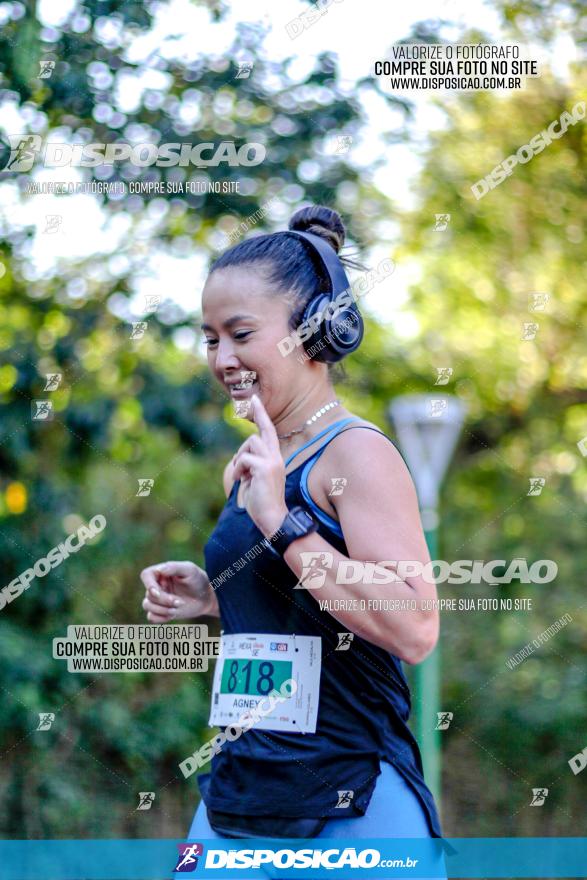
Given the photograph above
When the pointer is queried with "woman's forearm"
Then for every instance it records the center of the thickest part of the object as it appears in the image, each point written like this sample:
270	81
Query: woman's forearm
212	609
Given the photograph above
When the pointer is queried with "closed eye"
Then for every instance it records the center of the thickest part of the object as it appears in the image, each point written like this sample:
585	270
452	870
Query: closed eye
239	336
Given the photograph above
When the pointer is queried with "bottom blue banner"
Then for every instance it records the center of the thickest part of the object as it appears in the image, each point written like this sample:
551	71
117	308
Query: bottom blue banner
430	859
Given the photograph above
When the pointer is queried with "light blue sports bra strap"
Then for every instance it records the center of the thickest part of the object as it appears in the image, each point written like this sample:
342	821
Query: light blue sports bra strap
320	514
340	424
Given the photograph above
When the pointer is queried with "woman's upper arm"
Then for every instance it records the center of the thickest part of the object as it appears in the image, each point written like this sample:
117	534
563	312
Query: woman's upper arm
378	508
227	477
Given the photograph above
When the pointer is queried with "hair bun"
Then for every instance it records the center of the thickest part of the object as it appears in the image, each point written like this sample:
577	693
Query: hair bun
320	221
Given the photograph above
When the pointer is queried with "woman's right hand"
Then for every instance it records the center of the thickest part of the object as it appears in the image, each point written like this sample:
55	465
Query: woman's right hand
177	591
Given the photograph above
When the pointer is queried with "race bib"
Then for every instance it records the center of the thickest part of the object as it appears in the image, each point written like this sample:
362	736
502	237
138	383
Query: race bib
270	682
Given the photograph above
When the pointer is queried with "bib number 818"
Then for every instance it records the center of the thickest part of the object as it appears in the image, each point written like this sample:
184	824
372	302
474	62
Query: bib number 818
264	683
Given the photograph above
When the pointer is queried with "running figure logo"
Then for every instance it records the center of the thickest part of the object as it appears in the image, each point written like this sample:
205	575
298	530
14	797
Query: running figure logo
152	301
314	570
23	151
344	143
444	374
444	719
442	221
244	69
536	485
187	860
53	223
146	799
537	301
46	719
241	408
436	407
344	799
47	68
530	330
138	329
338	484
42	410
52	381
539	795
344	641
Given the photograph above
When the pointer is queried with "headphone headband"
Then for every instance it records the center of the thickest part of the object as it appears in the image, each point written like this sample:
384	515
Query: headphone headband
329	257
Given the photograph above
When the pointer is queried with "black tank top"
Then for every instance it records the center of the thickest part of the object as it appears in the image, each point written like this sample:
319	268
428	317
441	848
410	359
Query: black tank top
364	697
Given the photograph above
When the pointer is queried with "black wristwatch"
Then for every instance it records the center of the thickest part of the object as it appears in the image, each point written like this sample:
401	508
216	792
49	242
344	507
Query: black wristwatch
296	524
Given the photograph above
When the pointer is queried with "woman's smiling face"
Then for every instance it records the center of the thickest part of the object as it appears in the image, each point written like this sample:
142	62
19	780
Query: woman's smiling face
243	319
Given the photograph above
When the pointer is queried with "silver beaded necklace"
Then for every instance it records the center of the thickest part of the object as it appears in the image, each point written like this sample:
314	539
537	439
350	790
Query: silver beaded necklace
311	420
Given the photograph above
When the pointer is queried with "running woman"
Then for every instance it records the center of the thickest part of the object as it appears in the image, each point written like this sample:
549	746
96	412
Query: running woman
357	770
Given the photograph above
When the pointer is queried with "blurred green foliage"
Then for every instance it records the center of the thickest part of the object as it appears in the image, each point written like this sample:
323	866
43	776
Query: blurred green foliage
131	409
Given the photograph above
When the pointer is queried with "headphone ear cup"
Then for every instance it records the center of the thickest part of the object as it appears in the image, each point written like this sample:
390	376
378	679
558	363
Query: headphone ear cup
344	332
331	338
315	343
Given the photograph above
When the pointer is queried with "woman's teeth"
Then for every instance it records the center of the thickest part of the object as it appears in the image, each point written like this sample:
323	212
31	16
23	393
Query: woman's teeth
242	387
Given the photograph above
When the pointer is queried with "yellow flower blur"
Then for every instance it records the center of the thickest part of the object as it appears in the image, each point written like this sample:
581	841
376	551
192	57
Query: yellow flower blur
16	497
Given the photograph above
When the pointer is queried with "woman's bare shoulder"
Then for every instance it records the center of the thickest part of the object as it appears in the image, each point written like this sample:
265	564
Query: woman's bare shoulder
347	454
360	423
360	436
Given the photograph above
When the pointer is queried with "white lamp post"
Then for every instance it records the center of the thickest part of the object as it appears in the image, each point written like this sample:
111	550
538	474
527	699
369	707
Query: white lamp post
427	428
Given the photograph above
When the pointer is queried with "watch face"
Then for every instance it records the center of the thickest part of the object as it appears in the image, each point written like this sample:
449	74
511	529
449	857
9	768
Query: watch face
303	518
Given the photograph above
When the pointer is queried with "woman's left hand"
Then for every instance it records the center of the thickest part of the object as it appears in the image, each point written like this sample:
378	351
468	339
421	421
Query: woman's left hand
260	468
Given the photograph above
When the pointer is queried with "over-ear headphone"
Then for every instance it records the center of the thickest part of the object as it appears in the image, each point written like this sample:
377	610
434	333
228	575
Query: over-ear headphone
339	334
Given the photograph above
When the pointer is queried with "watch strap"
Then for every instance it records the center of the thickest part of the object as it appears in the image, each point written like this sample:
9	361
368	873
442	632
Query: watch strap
297	523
